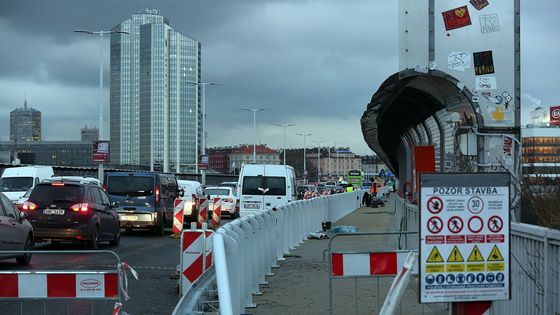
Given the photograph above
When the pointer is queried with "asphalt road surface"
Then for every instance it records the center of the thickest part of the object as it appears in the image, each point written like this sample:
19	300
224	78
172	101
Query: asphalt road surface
154	258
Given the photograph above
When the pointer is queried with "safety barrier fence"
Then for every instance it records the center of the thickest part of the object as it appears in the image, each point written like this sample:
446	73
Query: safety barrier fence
534	269
246	249
66	284
365	264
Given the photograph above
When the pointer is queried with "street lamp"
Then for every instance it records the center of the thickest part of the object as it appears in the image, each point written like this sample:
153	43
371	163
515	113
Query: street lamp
318	159
304	153
101	33
203	144
284	126
254	110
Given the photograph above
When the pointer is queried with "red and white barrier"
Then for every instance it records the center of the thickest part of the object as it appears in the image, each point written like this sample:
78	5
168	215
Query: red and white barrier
196	256
368	264
202	212
216	212
60	285
178	215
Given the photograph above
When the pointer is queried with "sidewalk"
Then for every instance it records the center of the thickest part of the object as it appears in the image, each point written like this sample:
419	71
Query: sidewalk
301	284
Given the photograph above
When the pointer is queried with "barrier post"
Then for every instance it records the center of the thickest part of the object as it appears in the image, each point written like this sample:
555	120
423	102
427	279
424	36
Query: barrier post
203	212
216	212
178	216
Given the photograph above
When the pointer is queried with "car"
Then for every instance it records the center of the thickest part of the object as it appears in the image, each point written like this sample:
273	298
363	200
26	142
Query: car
15	181
191	193
146	199
75	210
230	184
230	202
16	232
304	190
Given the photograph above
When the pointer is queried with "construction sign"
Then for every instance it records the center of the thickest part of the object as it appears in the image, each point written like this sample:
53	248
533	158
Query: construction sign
464	237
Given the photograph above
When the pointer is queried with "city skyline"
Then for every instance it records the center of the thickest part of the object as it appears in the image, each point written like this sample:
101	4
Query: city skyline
315	64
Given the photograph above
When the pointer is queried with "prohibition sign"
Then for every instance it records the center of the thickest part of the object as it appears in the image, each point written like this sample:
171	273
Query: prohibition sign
495	224
434	225
475	205
475	224
435	205
455	224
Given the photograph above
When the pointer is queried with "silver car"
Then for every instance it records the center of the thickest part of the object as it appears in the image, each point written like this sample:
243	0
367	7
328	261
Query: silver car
16	232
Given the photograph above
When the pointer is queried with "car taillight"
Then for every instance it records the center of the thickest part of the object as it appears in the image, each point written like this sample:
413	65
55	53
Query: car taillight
57	184
28	206
104	187
80	207
227	200
157	194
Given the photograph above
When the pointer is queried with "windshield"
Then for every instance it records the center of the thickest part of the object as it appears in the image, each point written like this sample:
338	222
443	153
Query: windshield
16	183
130	185
215	191
264	185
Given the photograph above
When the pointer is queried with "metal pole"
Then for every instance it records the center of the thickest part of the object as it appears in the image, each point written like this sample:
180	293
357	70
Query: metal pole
203	140
329	166
304	156
318	162
101	86
255	136
285	145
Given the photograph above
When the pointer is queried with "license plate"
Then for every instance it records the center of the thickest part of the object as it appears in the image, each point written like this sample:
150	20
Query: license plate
252	206
54	211
129	218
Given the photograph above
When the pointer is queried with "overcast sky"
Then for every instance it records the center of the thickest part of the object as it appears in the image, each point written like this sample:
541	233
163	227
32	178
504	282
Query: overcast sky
315	64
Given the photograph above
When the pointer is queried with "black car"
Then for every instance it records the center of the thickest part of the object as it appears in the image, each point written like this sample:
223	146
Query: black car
72	210
146	199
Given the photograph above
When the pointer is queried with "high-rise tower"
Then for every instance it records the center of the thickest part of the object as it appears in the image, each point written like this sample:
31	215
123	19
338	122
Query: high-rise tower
154	106
25	124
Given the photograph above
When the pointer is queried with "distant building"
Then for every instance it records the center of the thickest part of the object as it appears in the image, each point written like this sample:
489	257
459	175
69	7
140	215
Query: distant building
542	117
541	153
55	153
155	96
372	165
341	161
218	159
244	155
89	134
25	124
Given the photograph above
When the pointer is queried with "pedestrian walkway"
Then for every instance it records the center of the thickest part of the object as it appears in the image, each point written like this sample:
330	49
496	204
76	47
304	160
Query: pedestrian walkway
301	284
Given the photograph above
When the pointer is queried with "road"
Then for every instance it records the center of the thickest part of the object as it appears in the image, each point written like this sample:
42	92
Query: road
154	258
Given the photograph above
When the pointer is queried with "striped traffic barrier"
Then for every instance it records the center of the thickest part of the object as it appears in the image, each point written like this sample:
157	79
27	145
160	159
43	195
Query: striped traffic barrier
216	212
368	264
202	212
196	256
178	215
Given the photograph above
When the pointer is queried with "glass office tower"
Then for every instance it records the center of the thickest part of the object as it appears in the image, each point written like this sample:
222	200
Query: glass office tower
25	124
155	111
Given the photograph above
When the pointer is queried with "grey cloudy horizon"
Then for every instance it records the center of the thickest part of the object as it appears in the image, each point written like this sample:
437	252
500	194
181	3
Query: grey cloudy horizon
313	63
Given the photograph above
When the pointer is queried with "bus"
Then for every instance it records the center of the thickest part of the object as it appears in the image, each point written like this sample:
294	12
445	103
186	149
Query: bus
355	178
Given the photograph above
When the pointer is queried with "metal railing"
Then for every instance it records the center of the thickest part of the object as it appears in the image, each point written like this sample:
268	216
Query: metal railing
248	248
534	268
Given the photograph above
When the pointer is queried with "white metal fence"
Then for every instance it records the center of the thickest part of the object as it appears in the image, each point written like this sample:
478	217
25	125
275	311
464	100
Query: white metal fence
535	264
247	249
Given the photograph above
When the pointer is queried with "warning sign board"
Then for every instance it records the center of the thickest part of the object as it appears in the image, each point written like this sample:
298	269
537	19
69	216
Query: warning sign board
435	256
464	240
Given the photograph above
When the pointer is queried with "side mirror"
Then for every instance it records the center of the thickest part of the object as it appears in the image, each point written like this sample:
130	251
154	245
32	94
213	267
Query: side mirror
181	192
22	216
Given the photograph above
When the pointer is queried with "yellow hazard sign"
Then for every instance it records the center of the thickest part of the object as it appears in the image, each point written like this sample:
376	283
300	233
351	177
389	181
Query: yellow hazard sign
433	268
435	256
475	267
495	255
475	255
455	255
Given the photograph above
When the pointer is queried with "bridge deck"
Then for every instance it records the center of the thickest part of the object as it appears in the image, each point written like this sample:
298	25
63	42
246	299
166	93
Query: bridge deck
301	284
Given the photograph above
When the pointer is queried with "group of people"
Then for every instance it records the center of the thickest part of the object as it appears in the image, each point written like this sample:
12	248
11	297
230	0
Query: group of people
371	200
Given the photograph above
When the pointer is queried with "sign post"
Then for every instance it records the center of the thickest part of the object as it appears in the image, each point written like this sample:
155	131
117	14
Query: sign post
464	237
101	155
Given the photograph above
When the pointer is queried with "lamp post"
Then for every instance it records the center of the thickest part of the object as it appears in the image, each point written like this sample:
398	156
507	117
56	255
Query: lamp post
100	171
318	159
304	152
284	126
203	140
254	110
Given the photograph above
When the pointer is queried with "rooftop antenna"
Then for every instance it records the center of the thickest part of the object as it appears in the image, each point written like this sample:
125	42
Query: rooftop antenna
25	100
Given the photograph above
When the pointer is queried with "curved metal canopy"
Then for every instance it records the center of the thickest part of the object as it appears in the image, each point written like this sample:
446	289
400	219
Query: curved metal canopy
405	100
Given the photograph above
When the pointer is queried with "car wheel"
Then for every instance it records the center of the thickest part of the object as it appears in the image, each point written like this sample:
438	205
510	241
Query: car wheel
160	229
94	242
117	240
25	259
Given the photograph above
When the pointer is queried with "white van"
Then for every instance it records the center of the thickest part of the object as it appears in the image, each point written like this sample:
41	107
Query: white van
265	186
15	181
190	188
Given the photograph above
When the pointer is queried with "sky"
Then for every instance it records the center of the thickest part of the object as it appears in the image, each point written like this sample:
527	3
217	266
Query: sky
312	63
